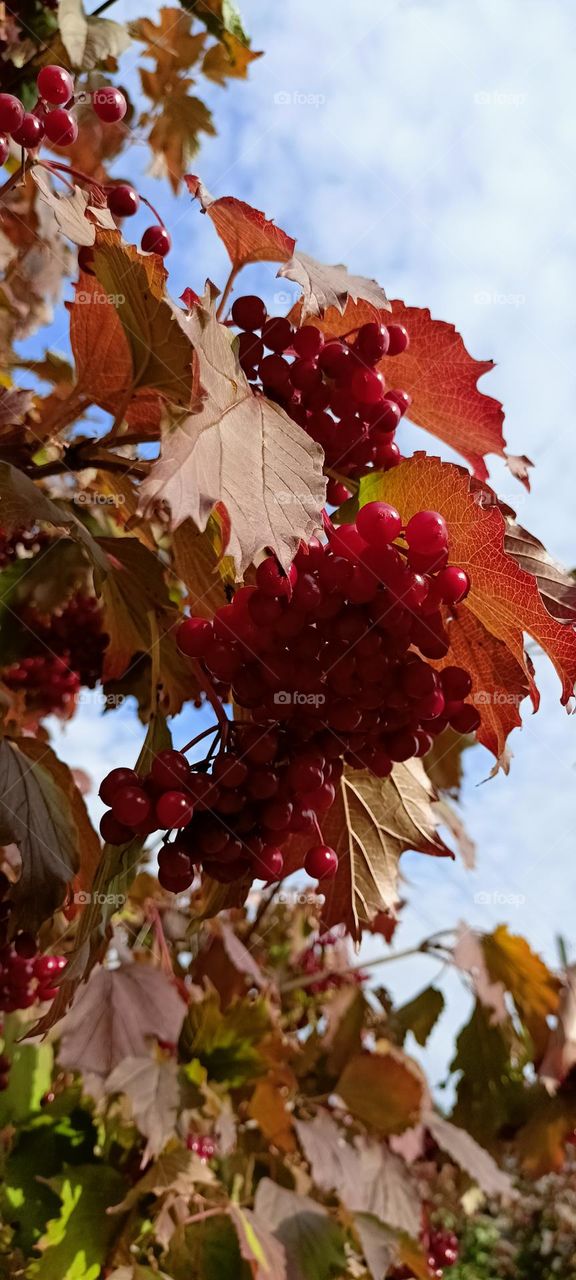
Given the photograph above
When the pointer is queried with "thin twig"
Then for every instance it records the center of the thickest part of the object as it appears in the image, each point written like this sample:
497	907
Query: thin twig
227	291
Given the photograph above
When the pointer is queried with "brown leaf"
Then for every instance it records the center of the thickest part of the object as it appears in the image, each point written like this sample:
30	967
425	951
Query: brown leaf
384	1090
175	134
228	58
176	1170
89	40
534	989
304	1228
240	450
196	563
556	585
14	405
268	1108
151	1086
370	824
469	1155
116	1014
247	234
326	286
100	347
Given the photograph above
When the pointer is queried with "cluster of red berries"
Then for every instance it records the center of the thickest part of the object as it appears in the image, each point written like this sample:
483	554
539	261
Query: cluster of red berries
330	660
442	1250
21	543
202	1145
333	388
52	118
65	651
123	202
25	976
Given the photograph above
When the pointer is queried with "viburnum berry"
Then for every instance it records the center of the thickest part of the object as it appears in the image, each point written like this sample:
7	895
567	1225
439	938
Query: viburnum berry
117	778
123	201
11	113
368	386
30	132
60	127
195	636
398	339
379	522
308	341
277	333
174	809
170	769
453	584
336	493
427	533
130	805
321	862
372	342
202	1145
112	831
456	682
466	719
109	104
156	240
268	863
272	580
248	312
55	85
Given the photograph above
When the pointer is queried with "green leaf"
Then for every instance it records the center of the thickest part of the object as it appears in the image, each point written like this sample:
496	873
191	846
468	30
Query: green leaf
226	1044
421	1014
30	1073
489	1084
207	1249
62	1134
218	17
76	1242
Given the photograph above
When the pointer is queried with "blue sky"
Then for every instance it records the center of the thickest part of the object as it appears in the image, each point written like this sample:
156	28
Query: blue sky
431	145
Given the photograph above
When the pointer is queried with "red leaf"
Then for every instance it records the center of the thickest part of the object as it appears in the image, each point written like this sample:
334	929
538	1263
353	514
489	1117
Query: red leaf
247	234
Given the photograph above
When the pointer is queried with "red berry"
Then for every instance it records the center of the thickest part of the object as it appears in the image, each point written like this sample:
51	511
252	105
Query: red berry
272	580
175	884
114	780
305	375
156	240
372	342
174	809
55	85
250	352
401	398
249	312
170	769
337	493
308	341
334	358
11	113
4	148
30	133
123	200
276	815
321	862
174	862
305	775
274	372
110	105
112	831
367	386
131	805
466	720
385	416
268	863
277	333
453	584
195	637
378	522
427	533
229	770
60	127
456	683
25	945
398	339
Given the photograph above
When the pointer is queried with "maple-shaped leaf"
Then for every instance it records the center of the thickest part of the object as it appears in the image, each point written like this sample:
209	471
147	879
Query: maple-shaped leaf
489	1089
503	596
325	286
534	989
247	234
116	1015
22	502
438	373
196	563
384	1090
556	585
43	813
242	451
560	1055
89	40
175	134
264	1254
76	1243
443	763
541	1142
371	823
229	58
99	345
469	1155
175	1170
421	1014
152	1088
70	212
312	1240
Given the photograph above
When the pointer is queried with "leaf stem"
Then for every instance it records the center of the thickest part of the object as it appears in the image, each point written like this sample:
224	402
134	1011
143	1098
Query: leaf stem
227	291
308	979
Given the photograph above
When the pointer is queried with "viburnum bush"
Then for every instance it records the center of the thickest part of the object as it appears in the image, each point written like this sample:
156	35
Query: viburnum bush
214	509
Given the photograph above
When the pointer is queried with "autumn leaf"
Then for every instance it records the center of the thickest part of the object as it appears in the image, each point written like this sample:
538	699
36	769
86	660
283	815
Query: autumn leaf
541	1142
115	1016
326	286
489	1088
175	134
22	502
264	1254
371	823
534	989
99	345
89	40
175	1170
240	450
560	1055
196	563
43	813
468	955
230	57
556	585
499	684
421	1014
312	1240
247	234
268	1108
443	763
152	1088
469	1155
70	212
384	1090
503	596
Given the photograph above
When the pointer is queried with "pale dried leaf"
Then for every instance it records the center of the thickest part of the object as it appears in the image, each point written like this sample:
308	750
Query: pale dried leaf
469	1155
330	286
469	956
115	1016
70	212
556	584
152	1087
560	1054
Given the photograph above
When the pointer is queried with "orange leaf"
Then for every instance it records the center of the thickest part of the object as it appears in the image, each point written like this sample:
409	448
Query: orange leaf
440	375
503	597
247	234
100	347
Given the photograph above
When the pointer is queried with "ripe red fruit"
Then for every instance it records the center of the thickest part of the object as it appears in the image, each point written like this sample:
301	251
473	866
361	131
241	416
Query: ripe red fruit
156	240
131	805
398	339
305	775
174	809
4	148
272	580
30	133
321	862
456	683
427	533
337	493
55	85
112	831
249	312
372	342
277	333
109	104
453	584
195	637
308	342
334	358
25	945
60	127
268	863
123	200
229	770
402	398
466	720
274	372
11	113
276	815
367	386
250	352
378	522
170	769
114	780
174	862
